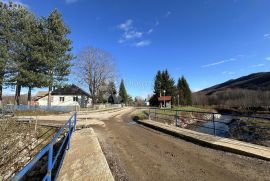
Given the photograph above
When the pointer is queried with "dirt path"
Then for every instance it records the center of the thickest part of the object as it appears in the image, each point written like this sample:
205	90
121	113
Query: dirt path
135	152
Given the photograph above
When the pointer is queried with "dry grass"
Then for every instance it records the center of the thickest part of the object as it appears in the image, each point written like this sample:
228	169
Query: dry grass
36	112
19	142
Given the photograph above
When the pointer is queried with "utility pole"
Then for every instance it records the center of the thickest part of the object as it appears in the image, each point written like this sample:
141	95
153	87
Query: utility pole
164	98
178	100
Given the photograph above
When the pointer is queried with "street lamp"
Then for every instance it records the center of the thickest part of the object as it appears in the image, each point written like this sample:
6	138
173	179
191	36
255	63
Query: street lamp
164	97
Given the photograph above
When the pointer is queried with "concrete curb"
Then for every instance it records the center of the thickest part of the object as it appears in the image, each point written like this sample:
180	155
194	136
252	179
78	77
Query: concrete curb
225	144
85	159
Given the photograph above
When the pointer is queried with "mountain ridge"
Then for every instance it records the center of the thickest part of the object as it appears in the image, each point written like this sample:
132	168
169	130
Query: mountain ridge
254	81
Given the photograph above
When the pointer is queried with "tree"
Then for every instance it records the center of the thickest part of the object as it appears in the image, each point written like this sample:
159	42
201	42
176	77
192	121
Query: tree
122	92
184	91
5	39
129	100
94	67
163	81
19	18
58	50
111	88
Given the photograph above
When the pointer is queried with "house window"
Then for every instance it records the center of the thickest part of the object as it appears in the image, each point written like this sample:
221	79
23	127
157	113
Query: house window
75	99
61	99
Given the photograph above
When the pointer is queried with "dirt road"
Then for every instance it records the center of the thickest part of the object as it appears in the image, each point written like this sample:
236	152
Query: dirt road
135	152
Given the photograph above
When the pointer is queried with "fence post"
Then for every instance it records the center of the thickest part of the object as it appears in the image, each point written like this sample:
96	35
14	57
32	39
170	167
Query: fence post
149	114
214	126
50	162
176	119
75	120
69	133
155	114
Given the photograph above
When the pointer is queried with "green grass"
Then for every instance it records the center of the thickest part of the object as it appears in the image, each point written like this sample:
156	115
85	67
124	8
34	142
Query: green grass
182	108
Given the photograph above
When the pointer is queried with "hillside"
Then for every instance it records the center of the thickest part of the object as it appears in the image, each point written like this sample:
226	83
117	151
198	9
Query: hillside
255	81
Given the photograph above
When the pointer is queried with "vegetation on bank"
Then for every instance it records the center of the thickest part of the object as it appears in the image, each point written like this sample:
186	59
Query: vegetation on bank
36	113
19	143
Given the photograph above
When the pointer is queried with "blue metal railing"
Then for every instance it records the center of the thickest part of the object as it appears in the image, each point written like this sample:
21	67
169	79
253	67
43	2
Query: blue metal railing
70	126
254	129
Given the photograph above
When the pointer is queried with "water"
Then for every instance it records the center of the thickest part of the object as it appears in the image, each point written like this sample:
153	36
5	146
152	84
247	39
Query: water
222	128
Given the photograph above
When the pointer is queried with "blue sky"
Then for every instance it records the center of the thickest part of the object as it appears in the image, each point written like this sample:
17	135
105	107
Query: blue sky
207	41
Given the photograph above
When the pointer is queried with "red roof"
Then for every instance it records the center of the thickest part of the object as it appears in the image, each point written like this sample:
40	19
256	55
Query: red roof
166	98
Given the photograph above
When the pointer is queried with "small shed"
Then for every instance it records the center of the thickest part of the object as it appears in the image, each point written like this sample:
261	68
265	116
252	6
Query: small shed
165	101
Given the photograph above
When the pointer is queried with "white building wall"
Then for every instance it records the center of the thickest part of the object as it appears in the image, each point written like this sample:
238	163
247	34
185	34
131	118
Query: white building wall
55	101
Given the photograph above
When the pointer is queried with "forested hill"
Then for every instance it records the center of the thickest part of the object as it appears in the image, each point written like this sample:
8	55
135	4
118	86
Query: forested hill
255	81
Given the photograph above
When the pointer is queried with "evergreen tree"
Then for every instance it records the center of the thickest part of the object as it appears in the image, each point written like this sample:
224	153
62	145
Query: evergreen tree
157	89
20	18
163	81
5	40
58	48
122	92
184	91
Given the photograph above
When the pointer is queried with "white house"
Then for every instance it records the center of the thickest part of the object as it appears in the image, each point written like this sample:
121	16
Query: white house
70	95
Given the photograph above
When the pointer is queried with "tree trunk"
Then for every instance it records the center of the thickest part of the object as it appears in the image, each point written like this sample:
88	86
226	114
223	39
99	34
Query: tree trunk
29	96
49	96
17	94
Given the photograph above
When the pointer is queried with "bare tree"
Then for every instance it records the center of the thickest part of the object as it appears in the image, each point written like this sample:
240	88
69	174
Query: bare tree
94	68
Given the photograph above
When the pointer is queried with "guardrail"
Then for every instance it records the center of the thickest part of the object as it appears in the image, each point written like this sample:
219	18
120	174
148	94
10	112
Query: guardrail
53	158
241	127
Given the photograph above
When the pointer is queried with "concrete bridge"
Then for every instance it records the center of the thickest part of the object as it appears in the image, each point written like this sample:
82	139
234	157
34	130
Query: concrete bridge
108	145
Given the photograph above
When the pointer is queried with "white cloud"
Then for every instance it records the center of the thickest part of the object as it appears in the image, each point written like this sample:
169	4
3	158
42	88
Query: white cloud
219	62
267	58
126	26
168	14
150	30
129	31
267	35
71	1
258	65
228	73
142	43
132	34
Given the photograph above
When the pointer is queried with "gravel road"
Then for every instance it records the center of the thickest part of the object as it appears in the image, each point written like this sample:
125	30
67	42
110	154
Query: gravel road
135	152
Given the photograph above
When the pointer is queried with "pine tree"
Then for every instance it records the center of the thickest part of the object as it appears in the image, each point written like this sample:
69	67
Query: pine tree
58	48
5	39
184	91
19	20
163	81
122	92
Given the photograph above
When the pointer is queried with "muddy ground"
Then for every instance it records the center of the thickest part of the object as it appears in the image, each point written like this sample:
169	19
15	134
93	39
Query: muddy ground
135	152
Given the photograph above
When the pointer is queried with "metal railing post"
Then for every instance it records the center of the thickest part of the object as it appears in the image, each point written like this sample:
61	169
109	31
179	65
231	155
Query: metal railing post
214	126
75	120
69	133
149	114
176	119
155	113
50	162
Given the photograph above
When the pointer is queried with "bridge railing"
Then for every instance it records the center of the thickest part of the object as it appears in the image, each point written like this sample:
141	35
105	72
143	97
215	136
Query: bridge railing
54	162
254	129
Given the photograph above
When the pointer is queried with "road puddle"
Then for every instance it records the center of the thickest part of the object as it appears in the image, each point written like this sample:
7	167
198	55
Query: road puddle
132	122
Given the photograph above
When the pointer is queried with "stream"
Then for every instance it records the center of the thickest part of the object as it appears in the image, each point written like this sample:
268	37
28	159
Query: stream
221	125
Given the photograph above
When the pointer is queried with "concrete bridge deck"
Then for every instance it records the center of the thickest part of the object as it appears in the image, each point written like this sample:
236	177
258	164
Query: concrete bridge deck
85	159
